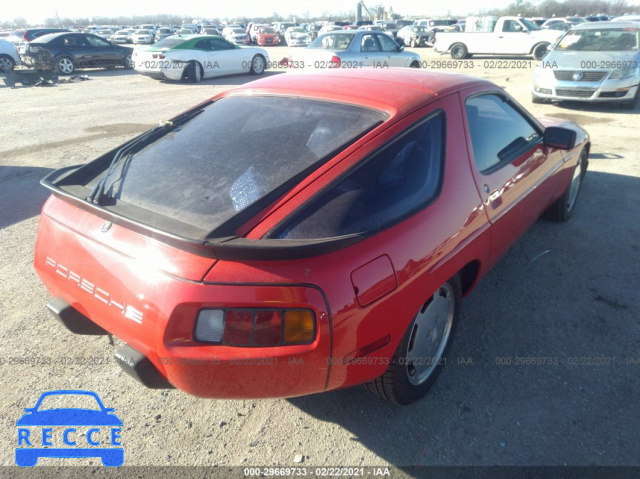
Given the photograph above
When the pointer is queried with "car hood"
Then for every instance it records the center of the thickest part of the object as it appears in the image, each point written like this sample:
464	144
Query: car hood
575	60
69	417
547	35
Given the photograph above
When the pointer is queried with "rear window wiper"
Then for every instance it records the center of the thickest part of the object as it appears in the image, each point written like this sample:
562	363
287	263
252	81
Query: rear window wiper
97	193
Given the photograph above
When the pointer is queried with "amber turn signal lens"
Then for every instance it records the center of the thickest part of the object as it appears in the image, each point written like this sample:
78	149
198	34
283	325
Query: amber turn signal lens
298	326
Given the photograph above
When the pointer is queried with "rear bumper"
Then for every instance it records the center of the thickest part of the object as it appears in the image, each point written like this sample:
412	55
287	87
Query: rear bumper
38	61
148	306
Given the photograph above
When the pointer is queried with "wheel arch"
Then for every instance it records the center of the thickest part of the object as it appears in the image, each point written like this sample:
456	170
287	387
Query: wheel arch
469	276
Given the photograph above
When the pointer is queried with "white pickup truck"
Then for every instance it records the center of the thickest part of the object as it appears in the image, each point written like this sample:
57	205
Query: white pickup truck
497	36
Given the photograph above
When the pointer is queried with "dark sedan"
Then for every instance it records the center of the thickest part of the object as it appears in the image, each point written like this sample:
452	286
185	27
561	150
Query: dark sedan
66	52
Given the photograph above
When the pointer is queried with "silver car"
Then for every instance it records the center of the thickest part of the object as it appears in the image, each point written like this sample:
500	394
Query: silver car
594	62
8	56
235	35
297	37
354	49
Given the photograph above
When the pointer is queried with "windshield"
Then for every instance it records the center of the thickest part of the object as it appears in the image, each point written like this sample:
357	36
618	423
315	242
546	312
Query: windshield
333	41
164	30
142	32
529	24
238	30
607	40
266	30
439	23
235	152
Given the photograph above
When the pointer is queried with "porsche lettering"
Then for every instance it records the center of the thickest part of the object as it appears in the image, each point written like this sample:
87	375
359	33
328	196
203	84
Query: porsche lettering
97	292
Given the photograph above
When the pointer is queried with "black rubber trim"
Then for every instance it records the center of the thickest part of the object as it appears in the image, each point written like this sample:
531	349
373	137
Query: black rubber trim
72	319
140	368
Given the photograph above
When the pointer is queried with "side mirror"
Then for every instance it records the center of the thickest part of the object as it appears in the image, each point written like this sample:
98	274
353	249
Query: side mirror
400	48
558	137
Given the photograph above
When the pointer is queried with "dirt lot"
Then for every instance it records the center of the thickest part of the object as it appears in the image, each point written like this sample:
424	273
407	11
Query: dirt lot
565	291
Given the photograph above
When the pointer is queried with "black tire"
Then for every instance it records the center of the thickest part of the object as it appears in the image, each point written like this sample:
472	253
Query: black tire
415	64
194	72
258	65
631	105
459	51
127	62
540	51
562	209
65	65
7	63
430	39
536	100
402	383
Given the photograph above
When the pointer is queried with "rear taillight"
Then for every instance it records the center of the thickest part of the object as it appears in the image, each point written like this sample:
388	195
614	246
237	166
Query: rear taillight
255	327
335	62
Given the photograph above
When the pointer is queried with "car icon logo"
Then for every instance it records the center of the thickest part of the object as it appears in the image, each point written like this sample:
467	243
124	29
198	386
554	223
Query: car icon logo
577	76
69	432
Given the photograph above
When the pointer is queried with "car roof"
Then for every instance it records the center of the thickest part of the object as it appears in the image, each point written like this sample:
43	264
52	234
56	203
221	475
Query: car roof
603	25
51	36
397	91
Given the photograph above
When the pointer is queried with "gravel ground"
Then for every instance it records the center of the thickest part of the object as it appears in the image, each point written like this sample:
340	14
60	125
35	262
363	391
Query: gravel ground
565	291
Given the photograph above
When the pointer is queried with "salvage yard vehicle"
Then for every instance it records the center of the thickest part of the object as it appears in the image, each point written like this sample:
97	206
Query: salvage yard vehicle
505	36
236	35
297	37
9	57
66	52
415	36
197	57
122	36
143	36
266	36
162	33
304	232
353	49
593	62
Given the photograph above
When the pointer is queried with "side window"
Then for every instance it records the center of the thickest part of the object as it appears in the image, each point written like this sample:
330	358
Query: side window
499	133
97	41
202	45
368	43
511	26
388	45
219	44
393	183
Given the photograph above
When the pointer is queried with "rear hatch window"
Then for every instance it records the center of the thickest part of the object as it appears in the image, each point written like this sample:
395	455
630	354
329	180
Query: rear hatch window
228	161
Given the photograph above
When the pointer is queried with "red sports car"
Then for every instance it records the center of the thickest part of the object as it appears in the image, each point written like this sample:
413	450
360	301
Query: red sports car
325	248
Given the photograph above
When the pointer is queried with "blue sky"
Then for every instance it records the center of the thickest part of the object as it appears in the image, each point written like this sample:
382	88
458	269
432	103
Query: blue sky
36	11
